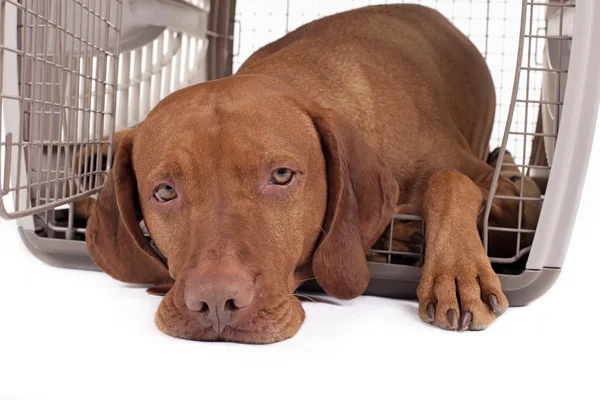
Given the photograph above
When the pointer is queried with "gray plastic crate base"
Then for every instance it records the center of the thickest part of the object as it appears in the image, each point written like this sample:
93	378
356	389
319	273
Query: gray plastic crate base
387	280
400	281
58	252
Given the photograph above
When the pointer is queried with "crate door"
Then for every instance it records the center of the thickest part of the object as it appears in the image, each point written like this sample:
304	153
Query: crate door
58	62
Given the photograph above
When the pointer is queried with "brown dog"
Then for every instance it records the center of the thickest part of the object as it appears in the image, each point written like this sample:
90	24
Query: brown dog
292	167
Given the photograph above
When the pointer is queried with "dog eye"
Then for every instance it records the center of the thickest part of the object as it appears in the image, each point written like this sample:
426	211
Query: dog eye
515	178
281	176
164	193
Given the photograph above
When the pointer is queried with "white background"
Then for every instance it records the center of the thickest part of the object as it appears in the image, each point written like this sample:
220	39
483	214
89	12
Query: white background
67	334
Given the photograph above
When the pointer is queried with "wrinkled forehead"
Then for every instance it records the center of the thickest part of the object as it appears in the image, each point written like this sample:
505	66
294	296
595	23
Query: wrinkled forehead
235	126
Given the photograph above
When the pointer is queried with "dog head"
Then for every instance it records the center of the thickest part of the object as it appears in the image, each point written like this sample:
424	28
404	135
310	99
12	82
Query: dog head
247	190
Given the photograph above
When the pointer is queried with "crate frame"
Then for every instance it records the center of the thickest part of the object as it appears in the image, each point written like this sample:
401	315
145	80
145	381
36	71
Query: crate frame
563	192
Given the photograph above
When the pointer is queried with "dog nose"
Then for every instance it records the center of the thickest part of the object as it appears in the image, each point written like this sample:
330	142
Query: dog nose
222	298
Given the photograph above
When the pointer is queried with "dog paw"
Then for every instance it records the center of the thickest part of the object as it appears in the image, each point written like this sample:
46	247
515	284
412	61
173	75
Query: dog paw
458	297
407	236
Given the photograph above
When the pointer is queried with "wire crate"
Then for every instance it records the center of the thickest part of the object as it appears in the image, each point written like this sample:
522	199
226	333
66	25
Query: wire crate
86	68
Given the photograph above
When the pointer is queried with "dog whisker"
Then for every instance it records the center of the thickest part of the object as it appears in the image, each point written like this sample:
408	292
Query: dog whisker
307	279
303	296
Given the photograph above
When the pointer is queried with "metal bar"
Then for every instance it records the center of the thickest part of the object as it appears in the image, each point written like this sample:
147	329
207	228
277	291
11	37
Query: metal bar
513	230
94	99
21	110
71	126
544	167
61	43
77	117
7	159
407	217
88	60
115	66
552	37
287	16
547	4
101	65
511	260
555	103
217	35
541	69
33	126
50	147
560	51
528	81
7	149
396	253
99	122
511	110
47	207
65	230
533	134
212	47
36	184
503	197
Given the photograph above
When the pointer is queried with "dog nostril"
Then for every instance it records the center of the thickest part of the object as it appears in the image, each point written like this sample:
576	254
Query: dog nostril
204	308
230	305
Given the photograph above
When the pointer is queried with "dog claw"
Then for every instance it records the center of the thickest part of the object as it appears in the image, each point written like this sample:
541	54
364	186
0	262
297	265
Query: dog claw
493	300
465	320
430	312
452	319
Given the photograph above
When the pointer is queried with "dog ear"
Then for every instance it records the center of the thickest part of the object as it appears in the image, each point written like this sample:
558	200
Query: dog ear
362	193
114	238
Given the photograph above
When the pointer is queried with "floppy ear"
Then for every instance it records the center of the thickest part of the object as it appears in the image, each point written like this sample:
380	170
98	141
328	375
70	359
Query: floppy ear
362	193
114	238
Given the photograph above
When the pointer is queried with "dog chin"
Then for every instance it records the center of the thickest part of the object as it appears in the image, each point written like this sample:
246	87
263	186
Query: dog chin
262	327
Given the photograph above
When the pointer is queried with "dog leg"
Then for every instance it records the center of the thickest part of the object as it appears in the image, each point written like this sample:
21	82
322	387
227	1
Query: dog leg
458	288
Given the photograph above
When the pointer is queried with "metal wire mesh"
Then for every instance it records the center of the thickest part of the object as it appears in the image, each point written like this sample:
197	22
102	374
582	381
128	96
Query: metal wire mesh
510	34
540	115
493	26
94	92
391	251
59	74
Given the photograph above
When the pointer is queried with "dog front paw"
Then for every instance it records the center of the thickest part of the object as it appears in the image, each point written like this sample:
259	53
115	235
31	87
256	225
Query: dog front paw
462	295
407	237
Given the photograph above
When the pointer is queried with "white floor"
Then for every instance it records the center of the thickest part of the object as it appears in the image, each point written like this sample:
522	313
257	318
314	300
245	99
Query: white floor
67	334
